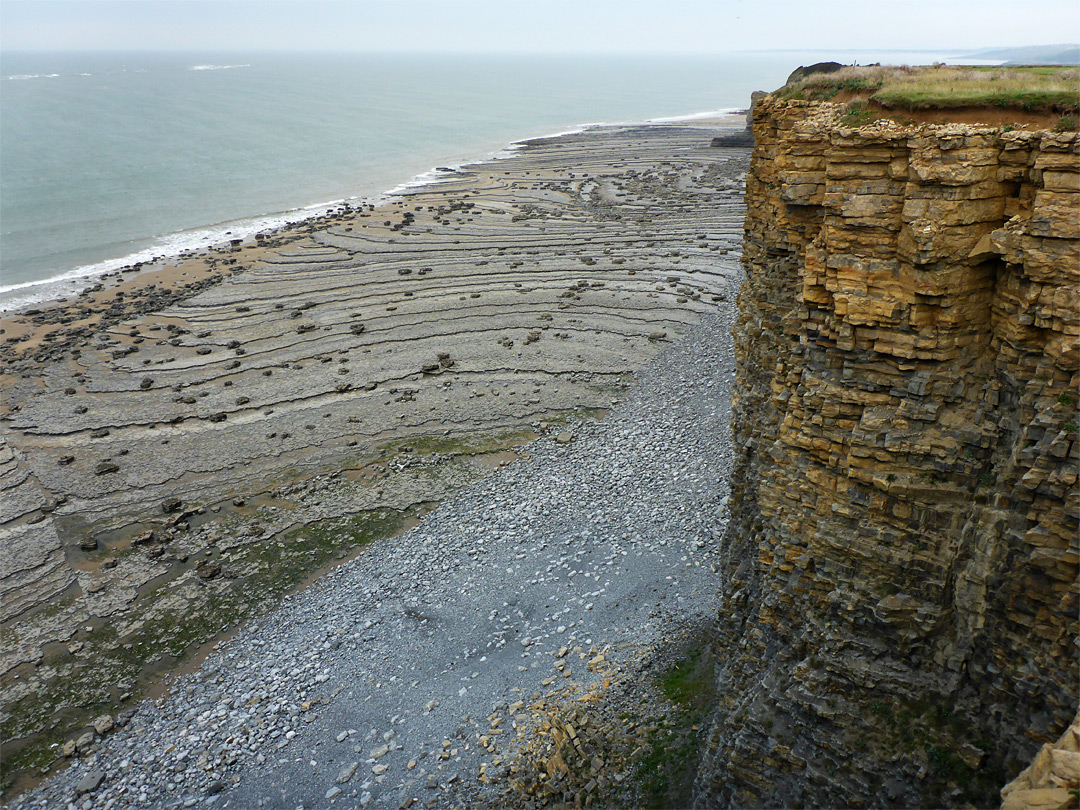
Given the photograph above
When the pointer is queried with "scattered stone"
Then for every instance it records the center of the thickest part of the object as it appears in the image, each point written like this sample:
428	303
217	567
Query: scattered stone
347	772
144	537
90	782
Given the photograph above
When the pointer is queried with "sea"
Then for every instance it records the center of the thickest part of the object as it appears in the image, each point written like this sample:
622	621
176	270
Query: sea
107	159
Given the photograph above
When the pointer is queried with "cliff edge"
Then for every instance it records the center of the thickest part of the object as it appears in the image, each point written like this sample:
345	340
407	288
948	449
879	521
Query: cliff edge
901	582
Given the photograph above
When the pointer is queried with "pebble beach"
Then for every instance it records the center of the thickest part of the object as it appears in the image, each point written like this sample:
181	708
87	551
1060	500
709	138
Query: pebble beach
520	374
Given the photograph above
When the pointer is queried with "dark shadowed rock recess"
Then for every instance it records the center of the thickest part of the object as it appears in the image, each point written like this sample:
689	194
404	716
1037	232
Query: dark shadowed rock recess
900	579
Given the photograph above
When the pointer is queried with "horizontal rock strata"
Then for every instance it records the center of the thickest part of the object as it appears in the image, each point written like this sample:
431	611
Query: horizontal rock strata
157	457
901	627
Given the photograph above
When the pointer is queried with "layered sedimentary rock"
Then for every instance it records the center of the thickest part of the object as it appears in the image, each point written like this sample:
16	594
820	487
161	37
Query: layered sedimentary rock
901	623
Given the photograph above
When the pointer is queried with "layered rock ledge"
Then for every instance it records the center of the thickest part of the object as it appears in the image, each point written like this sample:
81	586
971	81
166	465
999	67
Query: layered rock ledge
900	626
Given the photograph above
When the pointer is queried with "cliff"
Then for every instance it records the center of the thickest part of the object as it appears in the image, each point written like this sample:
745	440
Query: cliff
901	583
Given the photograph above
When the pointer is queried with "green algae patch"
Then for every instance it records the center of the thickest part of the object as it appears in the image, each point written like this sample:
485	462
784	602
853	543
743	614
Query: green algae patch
473	444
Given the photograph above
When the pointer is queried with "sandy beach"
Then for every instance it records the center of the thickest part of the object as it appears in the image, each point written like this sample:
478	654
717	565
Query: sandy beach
185	442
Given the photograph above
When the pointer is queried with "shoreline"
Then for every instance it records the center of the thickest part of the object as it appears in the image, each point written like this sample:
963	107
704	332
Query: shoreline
75	281
176	443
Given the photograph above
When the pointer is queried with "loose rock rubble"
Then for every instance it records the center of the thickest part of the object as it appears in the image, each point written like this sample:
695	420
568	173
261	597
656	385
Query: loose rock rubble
1052	780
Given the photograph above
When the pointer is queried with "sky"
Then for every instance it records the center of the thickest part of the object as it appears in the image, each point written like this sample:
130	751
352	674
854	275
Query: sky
533	26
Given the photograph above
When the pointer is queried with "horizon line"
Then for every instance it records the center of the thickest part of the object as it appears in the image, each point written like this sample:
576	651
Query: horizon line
508	52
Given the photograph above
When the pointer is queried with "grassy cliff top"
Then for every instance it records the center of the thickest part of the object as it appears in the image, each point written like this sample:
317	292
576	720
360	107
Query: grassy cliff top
1045	88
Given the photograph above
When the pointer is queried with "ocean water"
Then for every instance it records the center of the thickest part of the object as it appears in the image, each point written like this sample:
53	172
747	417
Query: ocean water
112	158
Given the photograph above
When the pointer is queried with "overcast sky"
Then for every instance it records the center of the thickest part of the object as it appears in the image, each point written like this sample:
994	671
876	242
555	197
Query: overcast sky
601	26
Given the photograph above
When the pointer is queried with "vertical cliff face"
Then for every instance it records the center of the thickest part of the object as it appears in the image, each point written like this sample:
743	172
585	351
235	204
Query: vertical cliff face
901	623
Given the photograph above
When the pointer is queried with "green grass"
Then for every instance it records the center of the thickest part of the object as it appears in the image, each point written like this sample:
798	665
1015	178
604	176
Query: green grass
944	87
666	771
858	115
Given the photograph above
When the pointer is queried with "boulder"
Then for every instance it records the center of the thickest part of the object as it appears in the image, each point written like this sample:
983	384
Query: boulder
90	782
